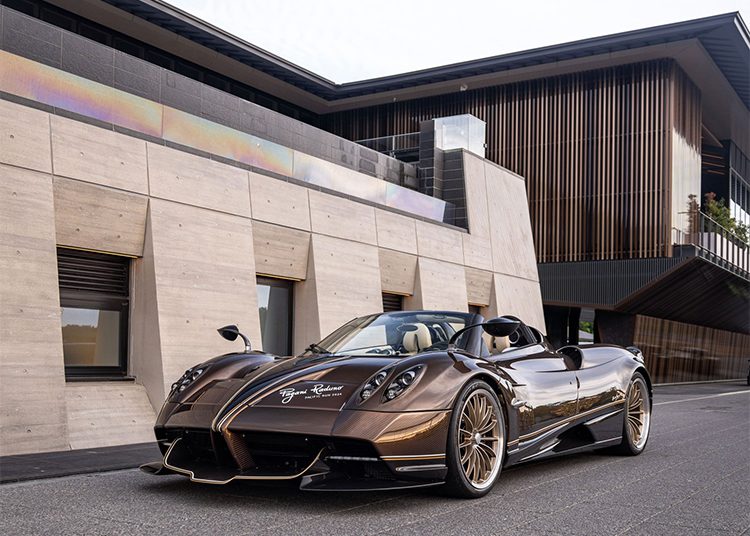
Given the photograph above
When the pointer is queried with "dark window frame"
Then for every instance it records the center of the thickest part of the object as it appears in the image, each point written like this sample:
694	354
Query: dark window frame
103	304
286	284
104	301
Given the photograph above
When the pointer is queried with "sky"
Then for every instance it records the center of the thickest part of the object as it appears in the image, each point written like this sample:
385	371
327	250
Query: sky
348	40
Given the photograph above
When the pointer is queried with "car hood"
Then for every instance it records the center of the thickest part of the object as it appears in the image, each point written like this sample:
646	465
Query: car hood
310	382
313	382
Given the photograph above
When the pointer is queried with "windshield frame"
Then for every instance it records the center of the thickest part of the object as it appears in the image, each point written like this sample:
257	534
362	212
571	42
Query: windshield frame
335	344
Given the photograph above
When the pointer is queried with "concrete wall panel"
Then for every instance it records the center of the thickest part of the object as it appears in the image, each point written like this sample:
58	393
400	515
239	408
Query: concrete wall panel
198	181
512	241
518	297
24	137
92	154
397	271
342	218
306	317
277	201
280	251
145	339
396	231
478	286
438	285
93	217
439	242
102	414
477	203
32	378
347	281
478	251
204	270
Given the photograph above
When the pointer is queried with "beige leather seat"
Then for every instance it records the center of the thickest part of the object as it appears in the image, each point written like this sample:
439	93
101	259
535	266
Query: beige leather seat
496	345
416	341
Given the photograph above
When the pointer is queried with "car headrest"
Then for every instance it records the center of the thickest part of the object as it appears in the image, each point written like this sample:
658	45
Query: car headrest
416	341
496	344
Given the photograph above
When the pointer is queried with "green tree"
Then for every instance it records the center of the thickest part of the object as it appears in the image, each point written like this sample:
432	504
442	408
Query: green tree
717	210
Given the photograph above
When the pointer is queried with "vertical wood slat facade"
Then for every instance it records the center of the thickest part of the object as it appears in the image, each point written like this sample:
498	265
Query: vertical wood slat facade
596	149
679	352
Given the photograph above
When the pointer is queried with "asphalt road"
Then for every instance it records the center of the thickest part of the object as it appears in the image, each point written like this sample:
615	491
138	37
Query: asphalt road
693	478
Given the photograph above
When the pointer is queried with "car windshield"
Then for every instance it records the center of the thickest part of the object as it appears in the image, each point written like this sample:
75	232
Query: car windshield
396	334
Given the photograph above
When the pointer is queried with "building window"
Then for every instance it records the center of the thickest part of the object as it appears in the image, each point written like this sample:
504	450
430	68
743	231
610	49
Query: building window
94	298
392	302
275	302
475	309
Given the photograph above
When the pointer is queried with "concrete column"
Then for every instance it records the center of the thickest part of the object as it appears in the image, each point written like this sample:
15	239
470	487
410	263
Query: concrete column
32	383
199	267
343	282
438	285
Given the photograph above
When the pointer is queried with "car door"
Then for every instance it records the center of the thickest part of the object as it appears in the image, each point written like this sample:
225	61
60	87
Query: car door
602	389
546	390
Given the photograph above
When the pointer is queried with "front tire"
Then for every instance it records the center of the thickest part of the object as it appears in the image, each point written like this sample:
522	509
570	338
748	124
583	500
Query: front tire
476	442
637	420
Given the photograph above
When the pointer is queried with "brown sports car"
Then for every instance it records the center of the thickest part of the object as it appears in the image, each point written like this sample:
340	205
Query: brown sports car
402	400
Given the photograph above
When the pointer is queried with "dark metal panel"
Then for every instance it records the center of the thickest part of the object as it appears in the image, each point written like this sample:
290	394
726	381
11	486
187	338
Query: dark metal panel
697	292
600	284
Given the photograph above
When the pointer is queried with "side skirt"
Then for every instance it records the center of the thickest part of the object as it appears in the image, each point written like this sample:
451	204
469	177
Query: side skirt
546	454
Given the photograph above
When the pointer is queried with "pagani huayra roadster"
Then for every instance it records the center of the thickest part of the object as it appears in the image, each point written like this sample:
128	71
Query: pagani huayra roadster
402	400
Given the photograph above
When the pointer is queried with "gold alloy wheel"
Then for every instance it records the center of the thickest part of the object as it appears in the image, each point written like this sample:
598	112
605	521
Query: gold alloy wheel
480	439
639	413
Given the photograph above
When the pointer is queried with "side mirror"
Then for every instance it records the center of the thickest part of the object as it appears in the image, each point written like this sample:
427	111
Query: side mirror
501	326
231	332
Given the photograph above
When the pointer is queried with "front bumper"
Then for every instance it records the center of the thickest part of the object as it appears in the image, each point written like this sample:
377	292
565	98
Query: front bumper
367	451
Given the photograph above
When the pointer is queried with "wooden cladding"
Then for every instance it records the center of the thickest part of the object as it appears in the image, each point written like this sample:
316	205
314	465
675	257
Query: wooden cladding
678	352
596	149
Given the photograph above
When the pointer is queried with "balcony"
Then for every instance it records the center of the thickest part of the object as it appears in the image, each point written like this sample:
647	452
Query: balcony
700	235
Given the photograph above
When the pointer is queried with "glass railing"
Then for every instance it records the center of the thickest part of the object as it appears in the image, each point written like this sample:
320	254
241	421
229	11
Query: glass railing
393	145
712	241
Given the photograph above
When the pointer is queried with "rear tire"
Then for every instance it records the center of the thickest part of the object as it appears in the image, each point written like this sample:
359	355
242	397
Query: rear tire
476	442
637	418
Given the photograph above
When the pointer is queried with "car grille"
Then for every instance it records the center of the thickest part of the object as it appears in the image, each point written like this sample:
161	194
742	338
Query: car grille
277	453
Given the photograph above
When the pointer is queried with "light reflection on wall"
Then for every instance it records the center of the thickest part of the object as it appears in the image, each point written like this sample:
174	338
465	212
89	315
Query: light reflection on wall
328	175
187	129
41	83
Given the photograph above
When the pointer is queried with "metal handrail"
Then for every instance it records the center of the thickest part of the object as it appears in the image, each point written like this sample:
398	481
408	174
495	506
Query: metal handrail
713	241
391	144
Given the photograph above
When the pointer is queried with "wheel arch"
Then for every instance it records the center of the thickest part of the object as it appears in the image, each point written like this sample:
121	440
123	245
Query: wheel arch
497	388
646	376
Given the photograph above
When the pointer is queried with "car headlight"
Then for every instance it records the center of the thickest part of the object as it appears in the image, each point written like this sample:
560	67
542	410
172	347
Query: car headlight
401	383
372	384
186	379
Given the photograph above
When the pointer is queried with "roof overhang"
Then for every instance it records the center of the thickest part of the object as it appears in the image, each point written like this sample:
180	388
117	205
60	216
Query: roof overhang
687	289
724	37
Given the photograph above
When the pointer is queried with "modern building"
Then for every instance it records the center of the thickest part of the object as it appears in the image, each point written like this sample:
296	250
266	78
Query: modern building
140	210
160	178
